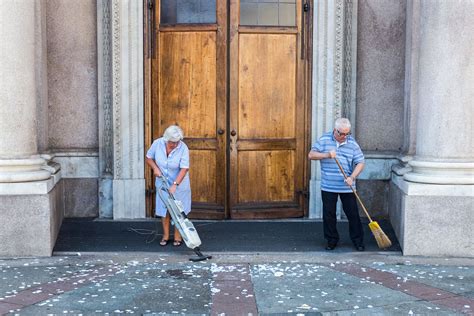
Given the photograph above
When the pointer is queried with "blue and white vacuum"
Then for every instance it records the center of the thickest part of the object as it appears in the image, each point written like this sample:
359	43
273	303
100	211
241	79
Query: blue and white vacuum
181	221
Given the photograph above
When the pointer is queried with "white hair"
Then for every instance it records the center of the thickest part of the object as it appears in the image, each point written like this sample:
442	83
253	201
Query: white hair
173	133
342	122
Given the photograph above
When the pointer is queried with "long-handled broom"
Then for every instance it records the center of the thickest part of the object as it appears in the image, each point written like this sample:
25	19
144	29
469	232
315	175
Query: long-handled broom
382	240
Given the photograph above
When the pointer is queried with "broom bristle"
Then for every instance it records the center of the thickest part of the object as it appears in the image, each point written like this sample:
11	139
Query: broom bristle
382	240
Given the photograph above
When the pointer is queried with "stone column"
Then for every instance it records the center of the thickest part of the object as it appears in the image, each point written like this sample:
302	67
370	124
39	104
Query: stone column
19	160
31	201
431	205
444	146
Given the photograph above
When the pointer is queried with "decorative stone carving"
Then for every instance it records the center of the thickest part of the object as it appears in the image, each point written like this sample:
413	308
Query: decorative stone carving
122	183
106	95
116	87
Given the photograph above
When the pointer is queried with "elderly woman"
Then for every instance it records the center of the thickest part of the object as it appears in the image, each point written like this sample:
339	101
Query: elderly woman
169	156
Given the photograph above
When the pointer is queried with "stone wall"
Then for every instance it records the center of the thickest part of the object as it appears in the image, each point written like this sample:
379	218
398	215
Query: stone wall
380	74
73	106
72	74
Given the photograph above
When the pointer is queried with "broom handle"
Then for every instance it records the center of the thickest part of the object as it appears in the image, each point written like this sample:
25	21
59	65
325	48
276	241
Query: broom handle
357	195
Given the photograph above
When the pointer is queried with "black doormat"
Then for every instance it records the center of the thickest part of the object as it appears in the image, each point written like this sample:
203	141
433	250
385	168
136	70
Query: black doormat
95	235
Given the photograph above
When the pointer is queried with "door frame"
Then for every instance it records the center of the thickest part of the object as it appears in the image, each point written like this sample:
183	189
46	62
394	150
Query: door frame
150	51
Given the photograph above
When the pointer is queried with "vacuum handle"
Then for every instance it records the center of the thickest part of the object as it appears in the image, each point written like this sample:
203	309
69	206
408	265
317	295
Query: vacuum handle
353	190
164	184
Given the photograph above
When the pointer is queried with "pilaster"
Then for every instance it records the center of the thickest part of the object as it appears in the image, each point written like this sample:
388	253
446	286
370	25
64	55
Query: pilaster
334	76
121	121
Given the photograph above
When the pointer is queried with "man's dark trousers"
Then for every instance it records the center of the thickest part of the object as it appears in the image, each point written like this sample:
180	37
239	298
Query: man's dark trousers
349	205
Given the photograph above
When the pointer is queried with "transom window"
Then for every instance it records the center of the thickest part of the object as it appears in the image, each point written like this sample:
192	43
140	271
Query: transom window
252	12
188	11
268	12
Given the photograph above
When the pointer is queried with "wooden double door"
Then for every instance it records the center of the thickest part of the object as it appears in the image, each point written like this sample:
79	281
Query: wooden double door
233	75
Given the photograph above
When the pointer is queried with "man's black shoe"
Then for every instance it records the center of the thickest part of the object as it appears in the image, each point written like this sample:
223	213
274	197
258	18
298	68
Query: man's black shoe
330	247
360	247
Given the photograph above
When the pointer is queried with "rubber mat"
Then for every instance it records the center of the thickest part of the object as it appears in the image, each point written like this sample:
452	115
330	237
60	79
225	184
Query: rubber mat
96	235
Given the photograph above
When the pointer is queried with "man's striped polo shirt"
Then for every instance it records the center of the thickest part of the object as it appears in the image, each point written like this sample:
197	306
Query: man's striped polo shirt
349	155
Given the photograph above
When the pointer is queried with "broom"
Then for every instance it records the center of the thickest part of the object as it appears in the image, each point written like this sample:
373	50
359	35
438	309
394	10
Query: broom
382	240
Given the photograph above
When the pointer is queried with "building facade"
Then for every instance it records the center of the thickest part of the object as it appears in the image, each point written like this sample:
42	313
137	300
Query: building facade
87	85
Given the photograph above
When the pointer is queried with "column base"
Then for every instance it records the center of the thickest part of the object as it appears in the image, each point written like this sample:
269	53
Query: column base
31	215
440	172
23	170
432	219
129	198
315	202
106	201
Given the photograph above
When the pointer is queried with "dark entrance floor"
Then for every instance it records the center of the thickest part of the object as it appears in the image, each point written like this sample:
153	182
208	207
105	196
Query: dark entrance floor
94	235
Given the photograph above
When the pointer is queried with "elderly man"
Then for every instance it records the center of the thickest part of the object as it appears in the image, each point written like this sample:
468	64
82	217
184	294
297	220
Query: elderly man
341	145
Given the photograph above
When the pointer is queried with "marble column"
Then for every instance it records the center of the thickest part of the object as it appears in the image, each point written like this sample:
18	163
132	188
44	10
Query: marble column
432	204
19	160
444	146
31	195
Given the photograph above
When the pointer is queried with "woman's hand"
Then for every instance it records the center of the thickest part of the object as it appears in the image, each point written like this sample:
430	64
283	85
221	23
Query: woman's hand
156	172
173	188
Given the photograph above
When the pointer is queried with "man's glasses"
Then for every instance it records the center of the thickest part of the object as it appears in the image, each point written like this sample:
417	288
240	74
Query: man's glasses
342	134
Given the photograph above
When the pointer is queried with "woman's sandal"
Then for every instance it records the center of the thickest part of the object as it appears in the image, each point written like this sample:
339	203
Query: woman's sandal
164	242
177	243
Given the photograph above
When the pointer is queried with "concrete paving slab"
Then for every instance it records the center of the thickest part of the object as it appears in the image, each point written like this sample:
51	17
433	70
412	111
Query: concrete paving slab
304	283
298	288
455	279
412	308
138	288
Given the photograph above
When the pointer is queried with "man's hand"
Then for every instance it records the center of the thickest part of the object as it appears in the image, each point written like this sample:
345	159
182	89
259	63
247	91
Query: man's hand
349	181
332	154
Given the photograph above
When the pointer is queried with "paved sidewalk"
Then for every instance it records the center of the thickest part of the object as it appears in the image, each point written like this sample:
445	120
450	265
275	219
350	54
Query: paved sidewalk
273	283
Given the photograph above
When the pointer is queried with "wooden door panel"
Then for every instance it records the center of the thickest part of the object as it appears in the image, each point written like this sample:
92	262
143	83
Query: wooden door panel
203	176
267	115
267	85
188	89
243	114
266	176
188	82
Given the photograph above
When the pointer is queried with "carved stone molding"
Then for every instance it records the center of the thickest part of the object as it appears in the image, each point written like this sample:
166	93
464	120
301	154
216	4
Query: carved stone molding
105	88
121	152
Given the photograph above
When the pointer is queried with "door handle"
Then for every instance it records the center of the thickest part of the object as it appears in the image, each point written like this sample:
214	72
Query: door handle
233	140
220	131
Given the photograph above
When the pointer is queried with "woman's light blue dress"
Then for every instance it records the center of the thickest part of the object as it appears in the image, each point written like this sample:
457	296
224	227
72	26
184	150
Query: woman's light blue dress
170	166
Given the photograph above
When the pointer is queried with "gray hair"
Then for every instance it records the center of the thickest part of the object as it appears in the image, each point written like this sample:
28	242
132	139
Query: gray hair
342	122
173	133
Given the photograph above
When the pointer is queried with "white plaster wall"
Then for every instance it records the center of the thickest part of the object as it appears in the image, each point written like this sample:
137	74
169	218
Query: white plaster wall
72	73
380	74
